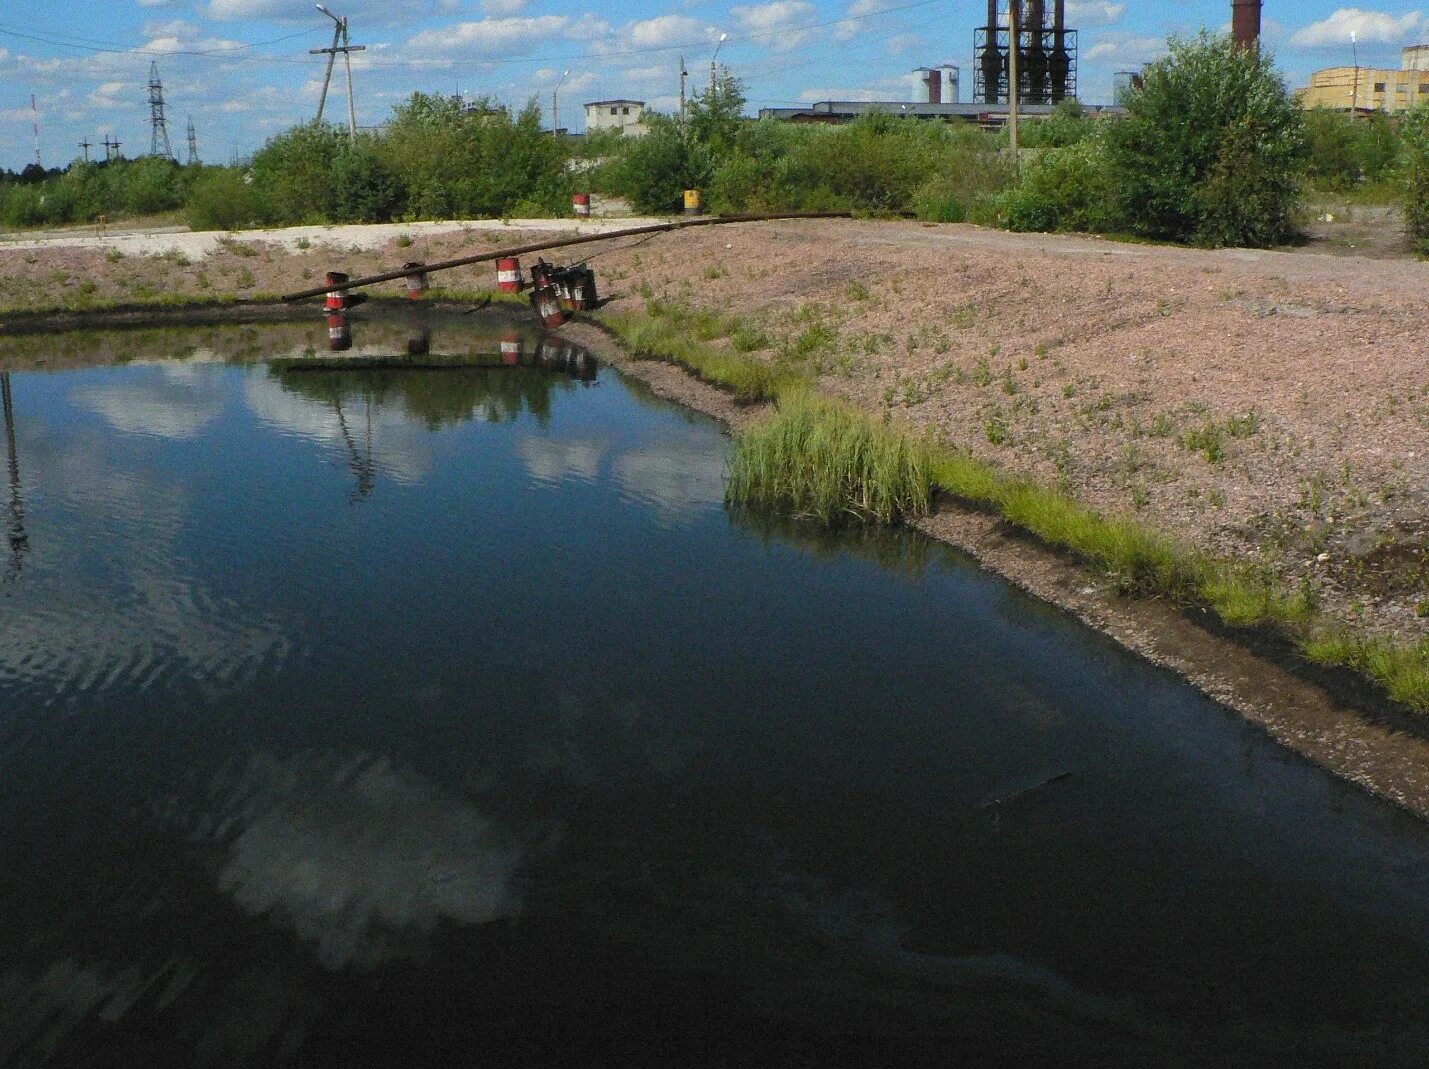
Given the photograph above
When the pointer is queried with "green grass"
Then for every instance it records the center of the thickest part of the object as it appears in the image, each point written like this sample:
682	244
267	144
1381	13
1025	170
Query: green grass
819	456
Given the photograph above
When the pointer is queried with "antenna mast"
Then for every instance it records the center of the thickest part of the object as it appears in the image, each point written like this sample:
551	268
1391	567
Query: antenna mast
159	136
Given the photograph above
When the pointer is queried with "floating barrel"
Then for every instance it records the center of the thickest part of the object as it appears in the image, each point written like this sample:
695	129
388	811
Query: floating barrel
511	348
580	204
339	332
692	202
337	300
508	274
548	306
416	284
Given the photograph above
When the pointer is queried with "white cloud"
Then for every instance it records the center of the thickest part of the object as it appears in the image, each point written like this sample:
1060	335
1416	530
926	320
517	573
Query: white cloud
1094	14
900	43
1126	49
490	35
1371	27
665	30
502	7
778	25
854	22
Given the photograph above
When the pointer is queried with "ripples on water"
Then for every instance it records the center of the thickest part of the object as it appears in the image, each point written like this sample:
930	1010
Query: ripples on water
394	717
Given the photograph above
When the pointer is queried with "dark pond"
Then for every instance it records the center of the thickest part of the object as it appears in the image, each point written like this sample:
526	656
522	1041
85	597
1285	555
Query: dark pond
392	717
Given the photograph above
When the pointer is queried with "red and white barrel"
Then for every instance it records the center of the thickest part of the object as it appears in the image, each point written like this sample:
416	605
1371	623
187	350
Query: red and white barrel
508	274
580	205
337	299
416	283
548	306
511	348
566	289
339	333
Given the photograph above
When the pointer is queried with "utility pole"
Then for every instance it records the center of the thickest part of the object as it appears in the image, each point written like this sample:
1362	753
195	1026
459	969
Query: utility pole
683	75
193	142
555	111
35	111
341	42
1014	45
713	77
1355	91
85	146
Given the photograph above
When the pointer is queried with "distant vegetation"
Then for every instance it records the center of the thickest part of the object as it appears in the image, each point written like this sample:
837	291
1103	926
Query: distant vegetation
1214	151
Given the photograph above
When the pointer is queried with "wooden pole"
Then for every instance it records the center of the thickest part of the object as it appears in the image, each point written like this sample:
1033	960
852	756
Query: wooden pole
1014	45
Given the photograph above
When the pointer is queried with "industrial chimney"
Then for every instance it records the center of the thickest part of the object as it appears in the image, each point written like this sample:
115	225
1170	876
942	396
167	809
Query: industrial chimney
991	59
1245	22
1059	65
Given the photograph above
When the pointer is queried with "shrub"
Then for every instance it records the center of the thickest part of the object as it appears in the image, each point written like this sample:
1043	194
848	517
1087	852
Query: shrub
221	200
1211	121
1414	176
656	169
1063	189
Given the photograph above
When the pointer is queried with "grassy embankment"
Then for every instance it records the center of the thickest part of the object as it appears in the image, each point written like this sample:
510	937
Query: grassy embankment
819	456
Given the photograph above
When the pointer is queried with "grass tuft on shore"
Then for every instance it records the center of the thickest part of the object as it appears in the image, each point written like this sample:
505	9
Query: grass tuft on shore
819	457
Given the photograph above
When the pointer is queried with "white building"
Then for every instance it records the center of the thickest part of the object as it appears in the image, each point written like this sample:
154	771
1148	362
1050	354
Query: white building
627	116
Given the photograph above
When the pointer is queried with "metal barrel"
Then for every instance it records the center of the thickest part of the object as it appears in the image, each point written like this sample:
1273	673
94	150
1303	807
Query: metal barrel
508	274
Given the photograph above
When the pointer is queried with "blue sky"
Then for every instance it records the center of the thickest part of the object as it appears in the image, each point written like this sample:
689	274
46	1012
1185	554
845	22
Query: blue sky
241	68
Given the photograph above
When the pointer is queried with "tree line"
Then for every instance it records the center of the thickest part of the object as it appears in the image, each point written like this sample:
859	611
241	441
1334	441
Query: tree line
1213	151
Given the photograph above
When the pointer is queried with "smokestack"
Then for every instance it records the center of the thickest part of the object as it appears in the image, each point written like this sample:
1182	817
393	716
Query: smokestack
1036	53
1245	22
991	59
1060	64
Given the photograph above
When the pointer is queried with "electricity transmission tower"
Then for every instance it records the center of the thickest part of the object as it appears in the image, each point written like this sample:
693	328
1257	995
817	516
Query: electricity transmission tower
159	137
340	43
85	144
193	141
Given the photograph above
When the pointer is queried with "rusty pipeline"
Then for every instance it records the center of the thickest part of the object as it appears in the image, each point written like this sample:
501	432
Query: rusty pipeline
485	257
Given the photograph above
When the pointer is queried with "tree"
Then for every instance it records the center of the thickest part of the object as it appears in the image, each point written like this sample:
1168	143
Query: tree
717	115
1414	176
1211	127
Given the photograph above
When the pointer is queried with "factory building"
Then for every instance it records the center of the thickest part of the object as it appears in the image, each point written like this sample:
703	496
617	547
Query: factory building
627	116
1367	89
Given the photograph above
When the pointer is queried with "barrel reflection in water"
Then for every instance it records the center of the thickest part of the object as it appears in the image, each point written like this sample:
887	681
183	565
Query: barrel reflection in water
380	707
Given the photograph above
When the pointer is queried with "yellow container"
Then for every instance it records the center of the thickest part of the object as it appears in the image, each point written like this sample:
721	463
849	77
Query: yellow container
692	202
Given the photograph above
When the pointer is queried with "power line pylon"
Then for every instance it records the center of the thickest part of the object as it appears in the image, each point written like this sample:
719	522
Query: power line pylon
159	136
85	145
35	113
193	142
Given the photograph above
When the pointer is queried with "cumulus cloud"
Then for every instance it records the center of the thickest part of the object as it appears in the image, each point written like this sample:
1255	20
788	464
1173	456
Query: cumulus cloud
1094	14
1371	27
1126	49
780	25
490	35
853	23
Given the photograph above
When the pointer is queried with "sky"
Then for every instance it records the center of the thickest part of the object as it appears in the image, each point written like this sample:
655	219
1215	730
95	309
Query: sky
241	68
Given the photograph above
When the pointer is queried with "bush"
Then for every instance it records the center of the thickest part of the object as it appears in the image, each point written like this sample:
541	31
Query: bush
221	200
1063	189
1343	151
1414	176
1211	121
655	170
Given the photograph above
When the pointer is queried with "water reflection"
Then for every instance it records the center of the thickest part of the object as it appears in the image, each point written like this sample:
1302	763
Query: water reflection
16	538
358	858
